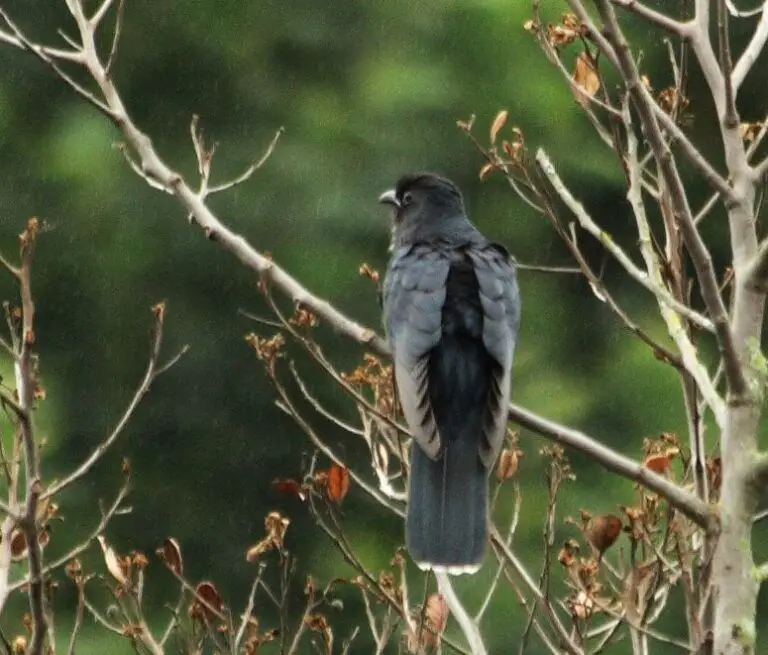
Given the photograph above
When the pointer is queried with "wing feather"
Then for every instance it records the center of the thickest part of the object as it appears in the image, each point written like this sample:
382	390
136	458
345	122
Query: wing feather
500	300
414	294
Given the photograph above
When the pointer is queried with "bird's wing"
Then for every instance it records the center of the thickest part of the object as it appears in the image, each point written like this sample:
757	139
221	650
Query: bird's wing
500	300
414	294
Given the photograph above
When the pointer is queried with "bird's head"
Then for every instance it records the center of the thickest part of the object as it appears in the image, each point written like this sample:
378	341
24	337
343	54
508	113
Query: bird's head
425	207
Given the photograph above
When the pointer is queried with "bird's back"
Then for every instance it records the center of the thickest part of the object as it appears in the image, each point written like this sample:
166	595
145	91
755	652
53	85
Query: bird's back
459	364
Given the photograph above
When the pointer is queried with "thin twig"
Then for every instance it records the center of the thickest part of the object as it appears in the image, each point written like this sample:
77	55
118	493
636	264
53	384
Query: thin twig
697	249
247	614
656	17
585	220
153	371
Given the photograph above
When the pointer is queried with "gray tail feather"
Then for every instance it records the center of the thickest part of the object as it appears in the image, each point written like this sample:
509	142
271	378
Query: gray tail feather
446	523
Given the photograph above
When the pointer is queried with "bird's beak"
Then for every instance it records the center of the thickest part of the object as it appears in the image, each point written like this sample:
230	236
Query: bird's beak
389	197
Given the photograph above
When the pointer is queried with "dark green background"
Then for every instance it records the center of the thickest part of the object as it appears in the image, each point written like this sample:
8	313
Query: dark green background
366	91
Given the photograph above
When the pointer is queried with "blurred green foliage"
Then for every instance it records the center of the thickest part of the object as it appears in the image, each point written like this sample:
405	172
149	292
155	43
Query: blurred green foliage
365	91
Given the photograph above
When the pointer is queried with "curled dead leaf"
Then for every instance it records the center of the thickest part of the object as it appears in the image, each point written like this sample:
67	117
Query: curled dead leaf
318	623
486	170
171	554
366	270
466	125
435	621
560	36
117	566
658	463
276	526
567	554
498	124
749	131
509	463
258	549
437	612
586	76
582	605
211	601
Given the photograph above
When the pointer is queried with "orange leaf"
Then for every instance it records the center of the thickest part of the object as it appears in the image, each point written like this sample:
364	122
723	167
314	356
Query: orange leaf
338	483
498	123
658	463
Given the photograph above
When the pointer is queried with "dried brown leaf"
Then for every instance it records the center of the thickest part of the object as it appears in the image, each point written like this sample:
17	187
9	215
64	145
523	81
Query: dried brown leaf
171	554
509	463
207	592
486	170
437	612
318	623
116	565
749	131
586	76
658	463
560	36
258	549
498	124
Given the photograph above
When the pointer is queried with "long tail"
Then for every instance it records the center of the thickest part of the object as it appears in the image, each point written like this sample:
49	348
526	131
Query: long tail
446	523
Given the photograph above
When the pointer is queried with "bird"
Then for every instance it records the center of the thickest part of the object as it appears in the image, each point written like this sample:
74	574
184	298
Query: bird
451	313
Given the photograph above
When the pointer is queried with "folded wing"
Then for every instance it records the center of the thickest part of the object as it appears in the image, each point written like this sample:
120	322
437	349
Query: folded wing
414	295
500	300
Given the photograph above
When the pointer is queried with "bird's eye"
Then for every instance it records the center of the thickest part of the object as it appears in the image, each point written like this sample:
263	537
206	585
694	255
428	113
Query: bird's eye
407	198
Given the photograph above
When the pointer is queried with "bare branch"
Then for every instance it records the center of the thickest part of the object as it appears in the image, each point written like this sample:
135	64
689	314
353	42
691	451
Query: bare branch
676	329
738	13
55	53
691	152
585	220
683	500
13	270
756	275
115	36
98	16
505	554
753	50
497	576
152	372
248	608
699	253
246	175
731	117
468	627
50	57
656	17
83	545
26	384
